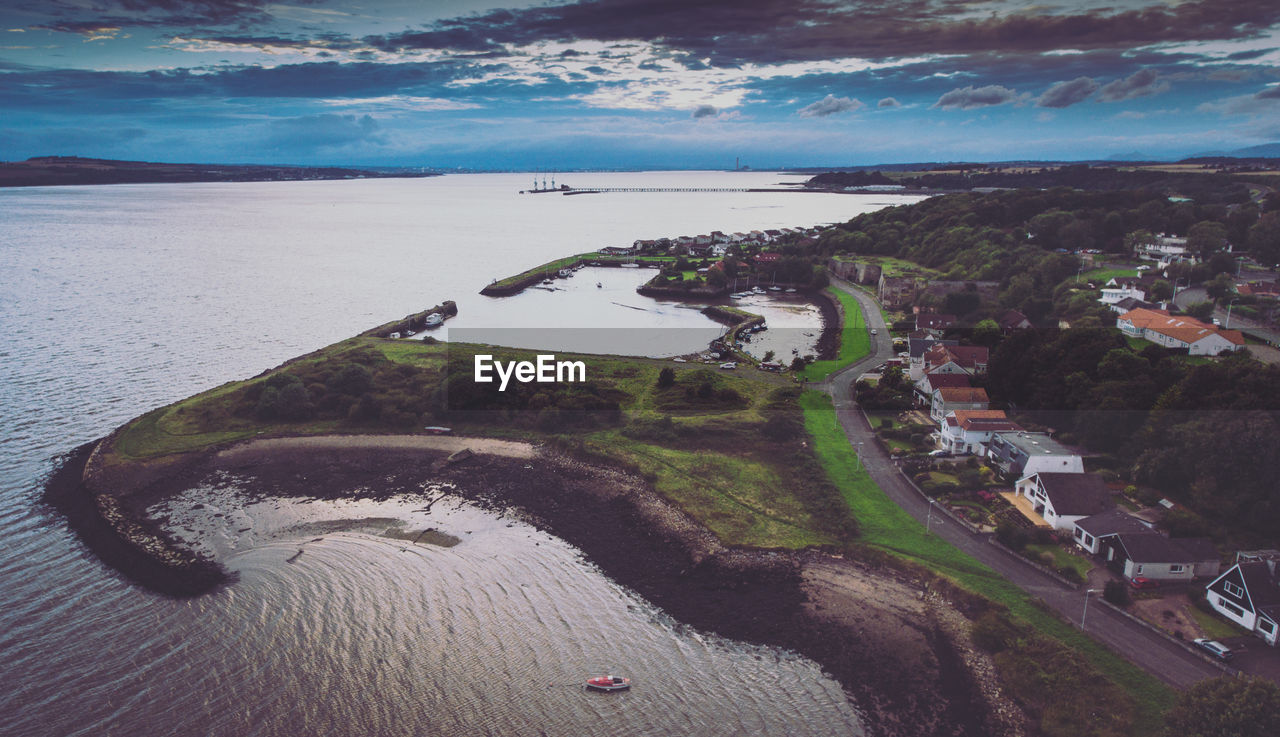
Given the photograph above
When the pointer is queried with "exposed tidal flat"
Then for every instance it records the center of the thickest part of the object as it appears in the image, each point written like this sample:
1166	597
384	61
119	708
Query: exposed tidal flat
132	297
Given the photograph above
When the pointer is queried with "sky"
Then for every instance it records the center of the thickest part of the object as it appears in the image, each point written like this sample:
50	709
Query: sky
511	84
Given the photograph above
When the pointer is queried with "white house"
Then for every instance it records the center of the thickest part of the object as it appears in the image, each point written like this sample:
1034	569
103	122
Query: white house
1063	499
1114	291
967	431
1022	454
1248	593
1181	332
950	398
1090	531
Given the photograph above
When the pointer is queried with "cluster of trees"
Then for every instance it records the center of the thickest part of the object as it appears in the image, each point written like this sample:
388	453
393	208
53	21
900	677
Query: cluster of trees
1203	434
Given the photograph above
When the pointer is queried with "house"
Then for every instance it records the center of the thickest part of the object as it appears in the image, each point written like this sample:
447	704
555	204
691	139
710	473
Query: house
928	383
1248	593
719	237
1021	454
1090	531
896	292
1116	290
1164	248
934	322
956	359
1129	303
1150	554
1180	332
918	343
966	431
950	398
771	257
1063	499
619	250
1013	320
737	238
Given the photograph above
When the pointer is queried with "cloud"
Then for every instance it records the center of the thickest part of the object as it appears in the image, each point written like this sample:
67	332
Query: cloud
888	102
325	131
705	111
1268	93
830	105
1142	83
967	98
1066	94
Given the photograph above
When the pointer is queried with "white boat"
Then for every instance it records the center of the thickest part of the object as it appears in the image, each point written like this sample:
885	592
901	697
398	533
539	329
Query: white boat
791	290
608	683
434	320
630	266
757	290
775	289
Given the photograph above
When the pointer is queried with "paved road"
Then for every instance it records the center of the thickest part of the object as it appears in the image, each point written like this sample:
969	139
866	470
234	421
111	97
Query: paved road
1159	655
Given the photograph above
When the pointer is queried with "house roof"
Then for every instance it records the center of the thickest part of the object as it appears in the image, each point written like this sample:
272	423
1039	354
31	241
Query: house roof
939	380
1012	319
962	393
1036	444
1132	303
918	344
981	420
1111	522
1152	547
1075	493
935	321
1264	589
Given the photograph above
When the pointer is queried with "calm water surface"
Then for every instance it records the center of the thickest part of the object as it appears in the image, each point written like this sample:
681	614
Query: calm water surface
114	300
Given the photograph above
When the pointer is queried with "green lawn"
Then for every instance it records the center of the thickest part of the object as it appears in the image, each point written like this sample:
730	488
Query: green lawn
884	525
1063	558
855	341
1103	275
1214	626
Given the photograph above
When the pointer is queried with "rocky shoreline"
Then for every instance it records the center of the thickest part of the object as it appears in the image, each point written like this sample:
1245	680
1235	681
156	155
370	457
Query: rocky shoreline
901	651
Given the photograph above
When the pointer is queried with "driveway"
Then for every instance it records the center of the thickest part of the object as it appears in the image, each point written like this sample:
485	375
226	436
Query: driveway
1172	662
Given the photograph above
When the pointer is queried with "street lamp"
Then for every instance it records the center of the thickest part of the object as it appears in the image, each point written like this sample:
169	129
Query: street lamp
928	523
1227	326
1086	605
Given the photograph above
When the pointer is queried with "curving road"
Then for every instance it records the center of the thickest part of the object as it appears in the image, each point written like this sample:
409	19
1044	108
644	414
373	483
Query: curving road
1167	659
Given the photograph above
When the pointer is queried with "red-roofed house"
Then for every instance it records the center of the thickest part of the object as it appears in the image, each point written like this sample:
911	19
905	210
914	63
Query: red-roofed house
934	322
1013	320
950	398
1180	332
966	431
927	383
956	359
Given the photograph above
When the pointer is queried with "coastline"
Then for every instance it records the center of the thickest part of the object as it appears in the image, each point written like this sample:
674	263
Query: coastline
895	642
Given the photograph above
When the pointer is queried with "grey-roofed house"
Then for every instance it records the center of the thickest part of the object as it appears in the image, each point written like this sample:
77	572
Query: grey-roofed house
917	345
1021	454
1152	555
1248	593
1090	530
1063	499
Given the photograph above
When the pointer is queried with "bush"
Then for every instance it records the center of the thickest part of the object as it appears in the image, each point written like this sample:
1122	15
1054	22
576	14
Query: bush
666	378
1116	593
886	423
1014	537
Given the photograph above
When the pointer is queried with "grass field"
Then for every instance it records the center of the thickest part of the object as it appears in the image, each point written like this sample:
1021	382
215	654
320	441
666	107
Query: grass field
884	525
855	341
1063	559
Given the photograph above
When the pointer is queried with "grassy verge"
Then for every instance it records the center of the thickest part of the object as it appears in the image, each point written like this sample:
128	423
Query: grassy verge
885	526
1214	626
1063	559
855	342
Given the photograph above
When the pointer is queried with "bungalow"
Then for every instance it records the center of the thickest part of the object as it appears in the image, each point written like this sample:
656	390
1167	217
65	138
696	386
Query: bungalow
950	398
1161	328
1129	304
1249	594
1114	291
928	383
1021	454
966	431
1151	555
1063	499
1164	248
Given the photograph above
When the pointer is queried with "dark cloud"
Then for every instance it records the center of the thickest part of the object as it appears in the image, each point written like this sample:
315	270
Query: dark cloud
163	13
967	98
1142	83
730	32
313	132
705	111
1066	94
829	105
888	102
1268	93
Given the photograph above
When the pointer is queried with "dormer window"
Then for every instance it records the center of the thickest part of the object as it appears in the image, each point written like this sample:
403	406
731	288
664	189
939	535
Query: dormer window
1233	590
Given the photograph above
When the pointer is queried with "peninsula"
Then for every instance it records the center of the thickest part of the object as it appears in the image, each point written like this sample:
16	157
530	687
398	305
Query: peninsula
45	171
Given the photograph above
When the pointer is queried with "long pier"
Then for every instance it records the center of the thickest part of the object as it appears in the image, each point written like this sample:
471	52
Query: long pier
601	190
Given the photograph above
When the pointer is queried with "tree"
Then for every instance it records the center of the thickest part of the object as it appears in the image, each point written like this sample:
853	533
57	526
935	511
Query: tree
666	378
986	333
1220	286
1264	239
768	356
1199	310
1240	707
1206	238
1161	290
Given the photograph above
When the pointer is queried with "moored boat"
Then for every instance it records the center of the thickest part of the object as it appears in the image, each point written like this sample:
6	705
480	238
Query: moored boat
608	683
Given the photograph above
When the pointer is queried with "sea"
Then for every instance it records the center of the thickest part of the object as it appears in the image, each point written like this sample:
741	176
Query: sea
117	299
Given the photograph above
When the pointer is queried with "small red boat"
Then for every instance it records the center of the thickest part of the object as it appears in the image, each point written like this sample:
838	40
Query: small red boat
608	683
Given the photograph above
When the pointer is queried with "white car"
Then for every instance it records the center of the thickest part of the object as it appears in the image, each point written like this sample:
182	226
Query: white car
729	365
1214	647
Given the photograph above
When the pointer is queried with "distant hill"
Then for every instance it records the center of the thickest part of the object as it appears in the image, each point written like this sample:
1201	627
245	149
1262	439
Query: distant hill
1263	151
43	171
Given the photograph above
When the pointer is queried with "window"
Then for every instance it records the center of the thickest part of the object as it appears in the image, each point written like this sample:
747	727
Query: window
1233	590
1266	626
1175	568
1231	608
1138	569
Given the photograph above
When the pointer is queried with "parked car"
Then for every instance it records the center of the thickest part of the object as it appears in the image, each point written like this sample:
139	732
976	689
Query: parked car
1217	649
939	454
729	365
1142	582
873	331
